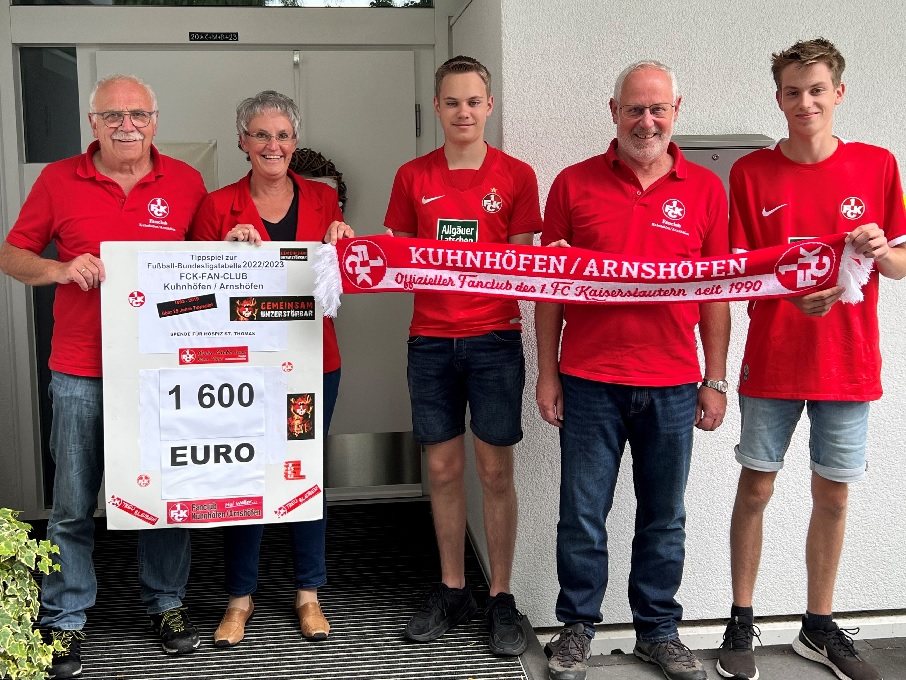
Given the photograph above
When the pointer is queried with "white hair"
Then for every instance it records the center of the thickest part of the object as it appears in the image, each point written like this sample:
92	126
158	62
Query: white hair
649	63
121	78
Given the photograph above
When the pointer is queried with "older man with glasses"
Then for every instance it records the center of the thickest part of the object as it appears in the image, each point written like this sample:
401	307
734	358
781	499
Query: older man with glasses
631	373
121	188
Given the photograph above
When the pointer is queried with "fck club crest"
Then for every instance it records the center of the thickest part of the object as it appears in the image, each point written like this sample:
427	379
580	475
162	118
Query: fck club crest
852	208
492	202
674	209
179	512
136	298
158	208
805	265
365	264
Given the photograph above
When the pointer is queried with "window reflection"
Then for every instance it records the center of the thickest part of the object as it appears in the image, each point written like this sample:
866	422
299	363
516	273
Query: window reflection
50	103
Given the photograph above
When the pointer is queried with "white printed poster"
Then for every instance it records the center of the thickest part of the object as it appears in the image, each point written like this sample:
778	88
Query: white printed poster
213	378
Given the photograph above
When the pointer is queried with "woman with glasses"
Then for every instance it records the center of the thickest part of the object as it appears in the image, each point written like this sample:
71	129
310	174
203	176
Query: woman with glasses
272	203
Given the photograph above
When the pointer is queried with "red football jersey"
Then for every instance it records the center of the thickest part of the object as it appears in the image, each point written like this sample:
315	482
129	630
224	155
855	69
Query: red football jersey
74	206
491	204
773	201
599	204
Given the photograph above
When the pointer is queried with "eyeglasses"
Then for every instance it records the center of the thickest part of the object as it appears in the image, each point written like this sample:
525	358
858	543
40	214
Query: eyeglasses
114	119
657	110
266	137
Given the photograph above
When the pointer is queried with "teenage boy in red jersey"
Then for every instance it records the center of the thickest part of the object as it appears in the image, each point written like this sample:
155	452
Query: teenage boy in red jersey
812	353
467	349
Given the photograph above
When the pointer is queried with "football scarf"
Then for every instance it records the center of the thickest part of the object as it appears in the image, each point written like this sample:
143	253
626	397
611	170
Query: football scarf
385	264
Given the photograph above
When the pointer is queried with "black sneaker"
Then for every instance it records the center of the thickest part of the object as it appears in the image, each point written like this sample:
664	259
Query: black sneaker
505	622
835	649
736	656
67	662
675	659
568	652
176	632
444	608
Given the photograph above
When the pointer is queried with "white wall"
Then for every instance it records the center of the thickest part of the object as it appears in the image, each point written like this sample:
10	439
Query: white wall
559	63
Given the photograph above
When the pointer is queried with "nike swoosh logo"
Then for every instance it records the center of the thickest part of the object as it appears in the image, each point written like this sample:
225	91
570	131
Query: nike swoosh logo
426	201
764	211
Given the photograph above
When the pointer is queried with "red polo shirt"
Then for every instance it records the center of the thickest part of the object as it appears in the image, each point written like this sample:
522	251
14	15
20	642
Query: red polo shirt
599	204
76	207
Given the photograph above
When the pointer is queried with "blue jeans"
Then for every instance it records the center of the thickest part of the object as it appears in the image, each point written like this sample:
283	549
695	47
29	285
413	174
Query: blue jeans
77	448
242	543
599	418
838	430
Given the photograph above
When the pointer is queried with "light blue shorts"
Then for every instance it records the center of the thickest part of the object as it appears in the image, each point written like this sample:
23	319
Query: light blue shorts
836	436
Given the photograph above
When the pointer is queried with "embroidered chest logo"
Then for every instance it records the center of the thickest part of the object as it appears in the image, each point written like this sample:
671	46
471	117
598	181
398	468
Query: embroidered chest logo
492	202
365	264
852	208
805	266
674	209
457	230
158	208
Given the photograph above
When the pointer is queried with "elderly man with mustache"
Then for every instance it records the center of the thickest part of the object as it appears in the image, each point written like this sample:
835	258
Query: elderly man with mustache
120	189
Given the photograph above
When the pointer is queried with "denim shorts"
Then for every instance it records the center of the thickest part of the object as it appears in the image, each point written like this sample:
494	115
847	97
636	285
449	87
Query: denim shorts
485	371
836	435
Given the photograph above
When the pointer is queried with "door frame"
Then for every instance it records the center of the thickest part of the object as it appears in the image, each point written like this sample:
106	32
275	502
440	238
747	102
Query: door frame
104	27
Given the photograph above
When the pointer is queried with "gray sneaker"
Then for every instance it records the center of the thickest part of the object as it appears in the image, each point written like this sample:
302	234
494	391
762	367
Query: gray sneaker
736	656
568	651
835	649
674	658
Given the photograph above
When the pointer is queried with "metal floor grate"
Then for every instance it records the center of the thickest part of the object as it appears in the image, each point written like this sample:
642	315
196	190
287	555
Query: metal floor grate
381	558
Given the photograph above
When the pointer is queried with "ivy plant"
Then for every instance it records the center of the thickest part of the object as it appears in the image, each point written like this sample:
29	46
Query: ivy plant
23	654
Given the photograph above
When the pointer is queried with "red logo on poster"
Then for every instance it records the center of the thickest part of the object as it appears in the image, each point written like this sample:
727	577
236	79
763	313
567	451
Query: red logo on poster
143	481
207	510
292	469
179	512
303	497
126	506
136	298
213	355
287	366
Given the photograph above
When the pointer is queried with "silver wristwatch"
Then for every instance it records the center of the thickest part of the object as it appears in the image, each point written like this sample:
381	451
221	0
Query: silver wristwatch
720	385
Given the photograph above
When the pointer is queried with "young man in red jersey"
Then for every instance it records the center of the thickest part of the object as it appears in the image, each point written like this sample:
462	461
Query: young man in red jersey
467	349
814	353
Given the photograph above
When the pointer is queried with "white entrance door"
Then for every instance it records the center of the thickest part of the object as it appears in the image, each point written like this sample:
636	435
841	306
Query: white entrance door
358	111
